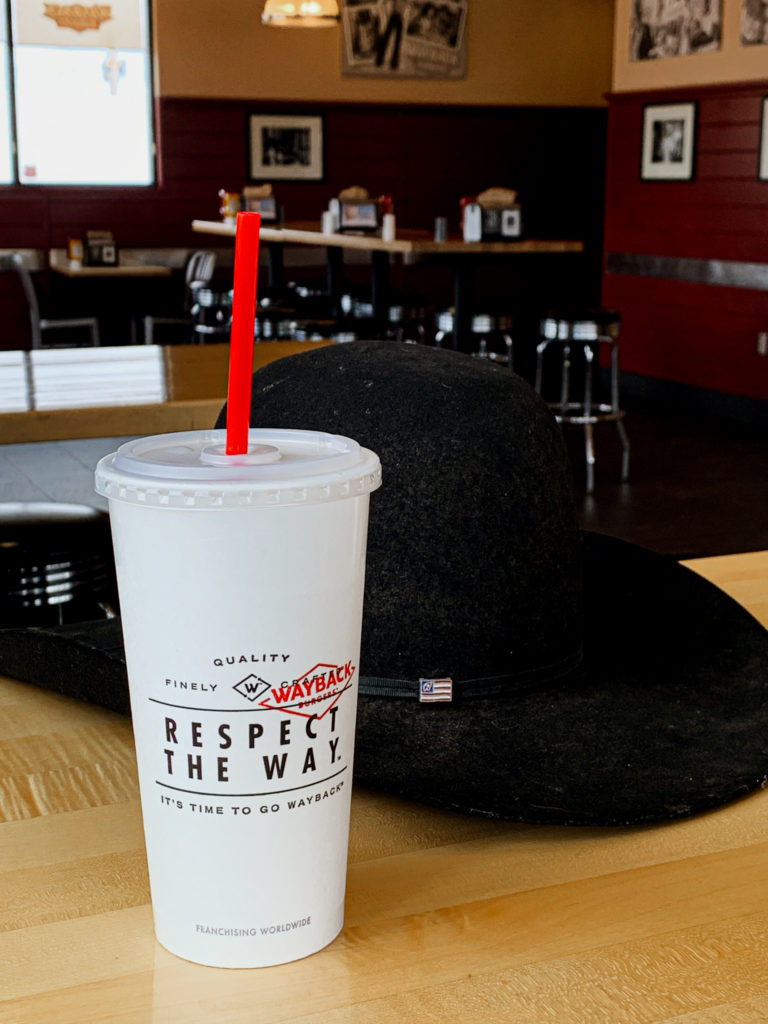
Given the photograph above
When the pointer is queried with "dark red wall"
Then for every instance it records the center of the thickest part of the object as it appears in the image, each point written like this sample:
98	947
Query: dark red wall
427	157
694	333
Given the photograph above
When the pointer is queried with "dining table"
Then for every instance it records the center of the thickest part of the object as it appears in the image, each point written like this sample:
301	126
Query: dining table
408	243
59	264
110	291
449	917
196	381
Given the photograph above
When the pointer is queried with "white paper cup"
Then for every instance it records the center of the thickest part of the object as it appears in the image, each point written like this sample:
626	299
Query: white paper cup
241	589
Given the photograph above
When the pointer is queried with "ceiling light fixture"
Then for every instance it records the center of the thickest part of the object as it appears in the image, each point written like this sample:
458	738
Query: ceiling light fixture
300	13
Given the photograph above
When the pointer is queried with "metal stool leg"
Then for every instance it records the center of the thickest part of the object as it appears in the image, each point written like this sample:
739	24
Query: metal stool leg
540	350
624	450
509	345
614	373
589	437
565	378
589	359
589	445
615	408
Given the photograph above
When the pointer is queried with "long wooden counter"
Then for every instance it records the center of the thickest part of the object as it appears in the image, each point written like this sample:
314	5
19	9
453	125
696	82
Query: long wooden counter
408	241
196	378
409	244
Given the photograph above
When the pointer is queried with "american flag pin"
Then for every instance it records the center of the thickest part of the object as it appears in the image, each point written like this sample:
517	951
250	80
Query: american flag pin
434	690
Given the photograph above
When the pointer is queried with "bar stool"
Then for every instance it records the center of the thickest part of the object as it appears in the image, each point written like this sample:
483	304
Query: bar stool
407	322
56	564
490	332
583	331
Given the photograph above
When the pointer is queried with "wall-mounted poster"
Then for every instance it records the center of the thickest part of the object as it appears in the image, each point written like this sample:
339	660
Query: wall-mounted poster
754	22
404	38
672	28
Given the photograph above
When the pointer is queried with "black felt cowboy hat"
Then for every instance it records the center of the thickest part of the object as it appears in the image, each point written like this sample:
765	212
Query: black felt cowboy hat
590	681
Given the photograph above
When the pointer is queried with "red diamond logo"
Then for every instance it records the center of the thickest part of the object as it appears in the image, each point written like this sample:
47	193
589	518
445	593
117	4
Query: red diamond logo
313	694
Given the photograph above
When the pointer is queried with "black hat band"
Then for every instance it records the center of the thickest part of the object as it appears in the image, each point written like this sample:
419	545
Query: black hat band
447	690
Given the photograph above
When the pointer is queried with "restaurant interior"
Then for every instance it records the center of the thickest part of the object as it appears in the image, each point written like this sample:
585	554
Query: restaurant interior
629	287
550	107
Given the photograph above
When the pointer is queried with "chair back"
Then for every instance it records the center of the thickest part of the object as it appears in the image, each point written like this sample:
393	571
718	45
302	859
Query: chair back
14	262
200	270
200	266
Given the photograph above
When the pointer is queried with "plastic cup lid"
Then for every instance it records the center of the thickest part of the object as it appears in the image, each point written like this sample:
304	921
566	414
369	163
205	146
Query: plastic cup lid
281	467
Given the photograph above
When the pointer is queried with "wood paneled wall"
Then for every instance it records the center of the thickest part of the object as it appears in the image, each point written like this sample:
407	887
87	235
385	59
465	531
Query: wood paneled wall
678	324
426	157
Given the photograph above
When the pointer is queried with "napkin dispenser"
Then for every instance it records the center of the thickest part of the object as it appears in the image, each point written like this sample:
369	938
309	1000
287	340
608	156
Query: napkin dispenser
358	213
259	199
100	249
494	215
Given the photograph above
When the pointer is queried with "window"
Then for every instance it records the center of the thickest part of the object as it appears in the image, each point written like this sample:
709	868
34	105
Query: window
6	143
81	96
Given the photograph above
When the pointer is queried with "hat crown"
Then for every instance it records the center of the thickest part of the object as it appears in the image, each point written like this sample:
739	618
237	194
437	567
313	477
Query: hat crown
473	565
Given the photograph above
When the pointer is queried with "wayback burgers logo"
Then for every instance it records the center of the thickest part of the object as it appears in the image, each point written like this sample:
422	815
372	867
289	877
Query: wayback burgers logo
79	17
310	695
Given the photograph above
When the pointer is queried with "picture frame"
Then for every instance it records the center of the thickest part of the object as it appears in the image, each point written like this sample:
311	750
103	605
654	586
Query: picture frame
669	141
286	147
762	166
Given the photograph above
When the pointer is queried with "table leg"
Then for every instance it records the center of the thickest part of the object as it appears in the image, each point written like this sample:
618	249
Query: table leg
462	301
334	262
276	277
380	287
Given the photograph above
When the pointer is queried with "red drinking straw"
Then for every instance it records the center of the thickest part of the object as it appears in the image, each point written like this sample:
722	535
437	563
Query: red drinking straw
241	337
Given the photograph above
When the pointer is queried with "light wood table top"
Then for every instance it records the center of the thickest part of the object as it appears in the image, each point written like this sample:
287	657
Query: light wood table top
449	918
196	381
121	270
407	241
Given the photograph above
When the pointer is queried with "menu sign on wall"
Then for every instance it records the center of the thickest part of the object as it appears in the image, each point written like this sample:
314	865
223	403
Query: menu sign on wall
117	25
404	38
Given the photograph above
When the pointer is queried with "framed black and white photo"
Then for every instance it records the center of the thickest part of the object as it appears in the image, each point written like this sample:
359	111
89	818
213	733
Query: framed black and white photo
762	168
669	142
754	22
674	28
404	38
285	147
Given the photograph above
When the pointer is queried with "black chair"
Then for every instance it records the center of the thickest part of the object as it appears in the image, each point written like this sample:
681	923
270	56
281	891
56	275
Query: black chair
197	275
40	325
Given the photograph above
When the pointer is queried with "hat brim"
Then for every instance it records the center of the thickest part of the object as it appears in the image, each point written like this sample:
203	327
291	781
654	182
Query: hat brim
666	717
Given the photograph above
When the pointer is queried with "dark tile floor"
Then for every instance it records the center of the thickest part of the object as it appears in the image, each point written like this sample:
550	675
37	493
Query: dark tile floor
698	483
